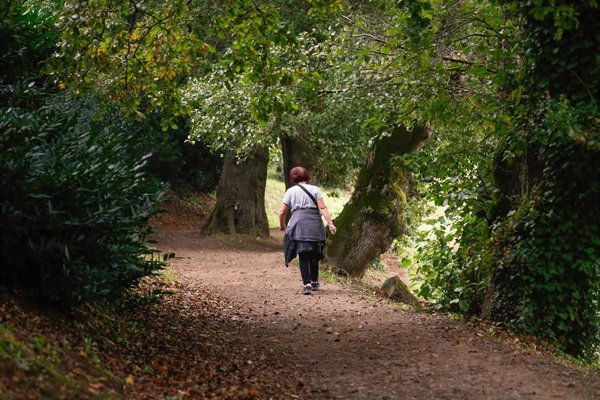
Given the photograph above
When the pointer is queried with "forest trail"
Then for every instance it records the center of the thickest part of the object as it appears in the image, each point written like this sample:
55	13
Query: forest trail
343	344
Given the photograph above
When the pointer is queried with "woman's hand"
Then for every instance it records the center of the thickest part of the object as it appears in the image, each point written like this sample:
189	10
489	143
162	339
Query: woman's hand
332	229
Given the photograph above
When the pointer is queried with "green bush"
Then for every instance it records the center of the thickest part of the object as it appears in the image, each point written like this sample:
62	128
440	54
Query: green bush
453	262
185	166
74	205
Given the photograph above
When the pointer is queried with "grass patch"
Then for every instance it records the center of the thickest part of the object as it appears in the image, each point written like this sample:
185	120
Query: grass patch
273	197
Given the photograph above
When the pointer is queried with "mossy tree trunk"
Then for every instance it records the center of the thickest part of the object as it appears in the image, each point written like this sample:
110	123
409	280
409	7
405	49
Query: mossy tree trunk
374	216
240	206
547	217
296	151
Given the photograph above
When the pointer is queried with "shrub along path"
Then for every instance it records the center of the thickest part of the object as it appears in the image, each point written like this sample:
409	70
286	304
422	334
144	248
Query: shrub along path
342	343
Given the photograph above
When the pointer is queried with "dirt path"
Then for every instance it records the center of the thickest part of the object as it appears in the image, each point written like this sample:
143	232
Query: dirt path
340	344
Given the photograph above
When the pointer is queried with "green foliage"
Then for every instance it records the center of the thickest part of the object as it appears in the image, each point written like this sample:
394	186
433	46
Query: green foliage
548	248
508	88
75	202
141	54
176	161
183	165
519	226
546	239
378	265
454	261
27	37
133	53
460	54
266	46
75	207
75	199
264	86
563	46
223	116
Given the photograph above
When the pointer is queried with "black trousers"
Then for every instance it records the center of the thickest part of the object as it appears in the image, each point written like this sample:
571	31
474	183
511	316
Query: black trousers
309	267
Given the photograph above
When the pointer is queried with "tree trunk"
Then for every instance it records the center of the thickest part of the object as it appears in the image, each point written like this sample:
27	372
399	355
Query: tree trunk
297	152
374	216
240	206
396	290
544	277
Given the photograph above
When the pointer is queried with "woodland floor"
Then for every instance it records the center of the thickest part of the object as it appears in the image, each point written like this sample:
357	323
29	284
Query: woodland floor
342	343
237	327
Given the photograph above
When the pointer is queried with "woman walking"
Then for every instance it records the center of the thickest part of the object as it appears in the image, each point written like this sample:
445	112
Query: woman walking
304	234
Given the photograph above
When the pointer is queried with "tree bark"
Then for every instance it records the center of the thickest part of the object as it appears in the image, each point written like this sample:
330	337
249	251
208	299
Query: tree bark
297	152
374	216
396	290
546	221
240	206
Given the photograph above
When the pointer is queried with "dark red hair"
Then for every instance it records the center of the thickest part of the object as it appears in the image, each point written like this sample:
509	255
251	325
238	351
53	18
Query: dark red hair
299	174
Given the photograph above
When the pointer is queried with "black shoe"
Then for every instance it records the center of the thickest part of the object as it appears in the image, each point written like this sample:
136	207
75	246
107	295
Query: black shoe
315	285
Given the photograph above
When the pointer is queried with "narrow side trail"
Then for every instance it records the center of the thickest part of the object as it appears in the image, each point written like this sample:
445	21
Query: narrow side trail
341	344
